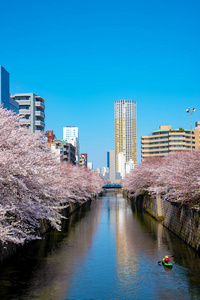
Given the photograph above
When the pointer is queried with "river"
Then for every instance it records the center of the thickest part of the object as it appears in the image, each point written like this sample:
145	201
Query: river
106	250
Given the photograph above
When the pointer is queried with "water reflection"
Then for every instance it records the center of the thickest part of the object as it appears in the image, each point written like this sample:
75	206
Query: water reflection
108	250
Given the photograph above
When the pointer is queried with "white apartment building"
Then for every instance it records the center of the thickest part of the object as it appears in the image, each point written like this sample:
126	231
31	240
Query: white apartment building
121	164
32	108
90	165
112	164
71	136
129	166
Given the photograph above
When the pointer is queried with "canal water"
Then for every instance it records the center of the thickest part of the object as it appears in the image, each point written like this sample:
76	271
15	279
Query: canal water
107	250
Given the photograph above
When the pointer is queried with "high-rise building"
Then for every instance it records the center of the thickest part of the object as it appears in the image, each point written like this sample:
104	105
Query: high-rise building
31	107
4	88
71	135
166	140
5	100
125	130
112	160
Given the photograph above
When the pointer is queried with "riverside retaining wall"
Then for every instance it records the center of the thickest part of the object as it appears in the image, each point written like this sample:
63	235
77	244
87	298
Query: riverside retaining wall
8	249
178	218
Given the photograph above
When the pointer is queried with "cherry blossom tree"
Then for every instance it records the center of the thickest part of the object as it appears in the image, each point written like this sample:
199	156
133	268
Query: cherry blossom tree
176	176
33	186
144	177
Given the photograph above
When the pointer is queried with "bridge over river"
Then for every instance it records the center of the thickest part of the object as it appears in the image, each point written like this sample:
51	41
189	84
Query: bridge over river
107	250
108	186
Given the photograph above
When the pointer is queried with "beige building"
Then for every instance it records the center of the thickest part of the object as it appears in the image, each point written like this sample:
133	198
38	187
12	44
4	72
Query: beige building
125	130
166	140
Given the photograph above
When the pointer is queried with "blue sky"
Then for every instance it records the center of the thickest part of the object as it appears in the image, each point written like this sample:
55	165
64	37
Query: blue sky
81	56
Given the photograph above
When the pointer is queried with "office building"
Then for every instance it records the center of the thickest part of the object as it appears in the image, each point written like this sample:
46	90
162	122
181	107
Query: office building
71	135
125	130
166	140
31	107
5	100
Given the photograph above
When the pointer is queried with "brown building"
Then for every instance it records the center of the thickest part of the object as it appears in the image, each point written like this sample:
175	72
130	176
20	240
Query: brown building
166	140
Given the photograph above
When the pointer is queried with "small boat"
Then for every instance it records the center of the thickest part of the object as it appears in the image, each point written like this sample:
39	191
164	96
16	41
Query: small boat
165	264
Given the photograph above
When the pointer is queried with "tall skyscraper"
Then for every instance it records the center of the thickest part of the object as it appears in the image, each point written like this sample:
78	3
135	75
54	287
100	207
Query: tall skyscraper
4	88
5	100
125	130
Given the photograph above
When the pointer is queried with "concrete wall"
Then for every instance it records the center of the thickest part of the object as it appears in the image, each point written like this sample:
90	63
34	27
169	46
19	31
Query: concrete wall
8	249
178	218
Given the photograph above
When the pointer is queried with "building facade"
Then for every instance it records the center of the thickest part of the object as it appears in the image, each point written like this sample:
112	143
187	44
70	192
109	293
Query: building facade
71	135
5	100
129	166
83	160
125	130
121	164
67	151
166	140
31	107
90	165
112	160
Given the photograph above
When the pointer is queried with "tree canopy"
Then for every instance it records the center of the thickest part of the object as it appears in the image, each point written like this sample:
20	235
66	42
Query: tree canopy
33	186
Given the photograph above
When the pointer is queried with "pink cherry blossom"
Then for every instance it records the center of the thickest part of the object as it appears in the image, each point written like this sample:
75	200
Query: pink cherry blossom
33	186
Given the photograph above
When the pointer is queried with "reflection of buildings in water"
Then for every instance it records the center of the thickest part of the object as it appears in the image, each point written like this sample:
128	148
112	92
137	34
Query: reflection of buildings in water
126	254
132	239
57	272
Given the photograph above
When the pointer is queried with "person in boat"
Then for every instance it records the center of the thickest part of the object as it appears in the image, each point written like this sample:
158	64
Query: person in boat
167	260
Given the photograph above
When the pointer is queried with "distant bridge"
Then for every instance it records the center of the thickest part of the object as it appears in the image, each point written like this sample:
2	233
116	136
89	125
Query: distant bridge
112	186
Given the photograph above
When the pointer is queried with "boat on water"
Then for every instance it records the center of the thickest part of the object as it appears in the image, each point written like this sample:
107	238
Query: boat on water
167	264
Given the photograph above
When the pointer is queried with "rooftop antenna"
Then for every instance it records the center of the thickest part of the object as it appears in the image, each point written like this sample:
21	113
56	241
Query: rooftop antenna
17	85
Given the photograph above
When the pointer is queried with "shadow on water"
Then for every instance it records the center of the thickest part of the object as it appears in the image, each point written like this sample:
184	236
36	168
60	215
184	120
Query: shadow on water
16	274
181	254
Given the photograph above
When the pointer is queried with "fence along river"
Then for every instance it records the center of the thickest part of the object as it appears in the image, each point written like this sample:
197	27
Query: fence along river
107	250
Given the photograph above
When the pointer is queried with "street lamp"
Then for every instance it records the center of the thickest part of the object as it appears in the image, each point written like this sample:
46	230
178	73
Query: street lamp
190	111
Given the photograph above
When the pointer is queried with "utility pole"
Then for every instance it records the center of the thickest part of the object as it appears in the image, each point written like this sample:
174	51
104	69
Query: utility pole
190	111
17	85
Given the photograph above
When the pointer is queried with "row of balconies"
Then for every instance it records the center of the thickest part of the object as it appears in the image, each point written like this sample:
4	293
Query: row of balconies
170	139
169	135
39	104
39	123
183	144
150	151
38	113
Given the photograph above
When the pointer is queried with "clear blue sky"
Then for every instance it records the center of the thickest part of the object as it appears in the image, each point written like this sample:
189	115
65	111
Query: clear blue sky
81	56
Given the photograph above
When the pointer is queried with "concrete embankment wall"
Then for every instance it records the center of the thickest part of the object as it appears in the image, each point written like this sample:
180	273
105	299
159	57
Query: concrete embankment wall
178	218
8	249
